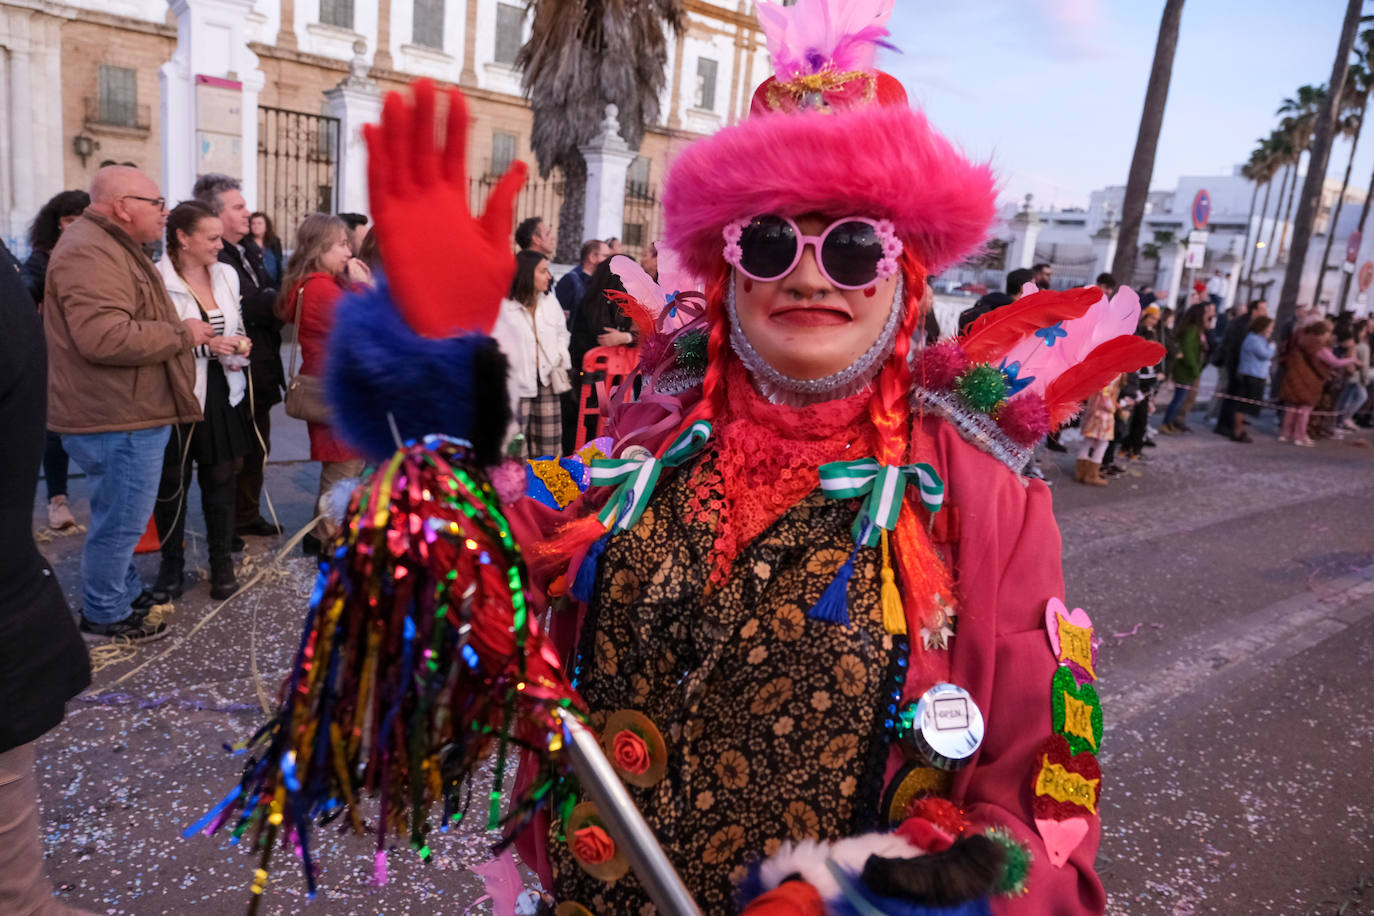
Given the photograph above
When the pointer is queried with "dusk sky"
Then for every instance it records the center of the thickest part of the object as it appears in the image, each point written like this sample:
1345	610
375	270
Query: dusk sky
1051	90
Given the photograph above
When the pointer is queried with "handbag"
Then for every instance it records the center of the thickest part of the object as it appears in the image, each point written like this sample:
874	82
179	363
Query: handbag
305	398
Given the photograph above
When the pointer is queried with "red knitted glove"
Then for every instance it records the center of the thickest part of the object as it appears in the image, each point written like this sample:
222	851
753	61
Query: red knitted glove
448	271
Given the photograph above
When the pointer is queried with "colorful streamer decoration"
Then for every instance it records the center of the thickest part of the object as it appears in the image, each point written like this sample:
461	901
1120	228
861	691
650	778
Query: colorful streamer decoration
418	656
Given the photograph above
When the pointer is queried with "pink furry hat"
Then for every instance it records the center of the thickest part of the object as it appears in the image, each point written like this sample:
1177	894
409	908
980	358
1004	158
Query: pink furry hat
830	134
880	161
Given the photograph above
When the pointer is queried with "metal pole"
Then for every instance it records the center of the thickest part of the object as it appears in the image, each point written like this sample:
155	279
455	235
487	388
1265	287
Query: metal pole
626	825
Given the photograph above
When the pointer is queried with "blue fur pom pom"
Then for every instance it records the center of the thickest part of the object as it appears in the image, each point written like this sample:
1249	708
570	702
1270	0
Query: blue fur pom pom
379	371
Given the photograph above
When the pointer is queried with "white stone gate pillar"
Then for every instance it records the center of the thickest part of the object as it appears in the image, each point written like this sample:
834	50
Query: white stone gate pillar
209	102
1025	230
355	101
608	166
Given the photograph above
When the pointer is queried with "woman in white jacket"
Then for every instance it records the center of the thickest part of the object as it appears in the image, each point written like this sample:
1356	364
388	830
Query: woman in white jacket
533	333
201	287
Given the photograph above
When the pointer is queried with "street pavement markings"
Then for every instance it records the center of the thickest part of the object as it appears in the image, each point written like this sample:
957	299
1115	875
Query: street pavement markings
1244	646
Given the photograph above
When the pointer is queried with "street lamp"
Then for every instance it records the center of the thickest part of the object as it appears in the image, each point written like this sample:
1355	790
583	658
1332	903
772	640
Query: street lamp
84	146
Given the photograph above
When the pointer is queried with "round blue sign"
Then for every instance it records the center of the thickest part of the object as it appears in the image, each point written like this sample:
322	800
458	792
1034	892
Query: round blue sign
1202	209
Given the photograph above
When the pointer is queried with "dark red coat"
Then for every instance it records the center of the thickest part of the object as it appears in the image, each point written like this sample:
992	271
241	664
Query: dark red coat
313	324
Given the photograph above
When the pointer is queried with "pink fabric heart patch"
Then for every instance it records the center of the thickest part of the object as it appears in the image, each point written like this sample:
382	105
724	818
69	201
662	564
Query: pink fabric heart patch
1061	837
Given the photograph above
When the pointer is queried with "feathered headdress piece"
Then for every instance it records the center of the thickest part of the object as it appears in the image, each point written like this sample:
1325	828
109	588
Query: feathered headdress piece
829	133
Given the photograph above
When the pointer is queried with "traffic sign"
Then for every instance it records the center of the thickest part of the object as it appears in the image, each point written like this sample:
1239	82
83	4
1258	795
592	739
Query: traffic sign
1366	275
1202	209
1352	247
1197	250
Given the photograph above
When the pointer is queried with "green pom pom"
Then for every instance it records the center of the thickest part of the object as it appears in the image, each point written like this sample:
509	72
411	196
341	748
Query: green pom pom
691	351
982	388
1018	864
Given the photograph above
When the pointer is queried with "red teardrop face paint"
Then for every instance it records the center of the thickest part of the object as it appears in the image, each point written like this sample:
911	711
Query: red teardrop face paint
748	285
871	292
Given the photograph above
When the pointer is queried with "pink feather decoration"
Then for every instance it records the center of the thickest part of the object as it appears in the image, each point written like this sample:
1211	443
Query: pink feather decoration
814	35
1127	353
1075	338
1025	419
938	365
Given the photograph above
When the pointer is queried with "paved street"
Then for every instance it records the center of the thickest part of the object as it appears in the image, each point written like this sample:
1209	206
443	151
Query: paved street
1232	588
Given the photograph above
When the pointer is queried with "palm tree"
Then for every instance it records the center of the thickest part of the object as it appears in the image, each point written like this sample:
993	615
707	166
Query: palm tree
583	55
1354	101
1265	163
1250	172
1146	141
1302	118
1317	162
1282	143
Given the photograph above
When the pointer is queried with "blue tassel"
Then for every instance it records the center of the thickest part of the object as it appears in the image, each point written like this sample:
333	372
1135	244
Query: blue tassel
586	573
833	606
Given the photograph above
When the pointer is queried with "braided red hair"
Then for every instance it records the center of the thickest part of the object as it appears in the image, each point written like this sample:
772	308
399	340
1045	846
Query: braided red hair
893	439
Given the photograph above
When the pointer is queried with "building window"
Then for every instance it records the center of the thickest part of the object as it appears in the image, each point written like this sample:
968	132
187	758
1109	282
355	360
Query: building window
706	84
428	30
510	24
118	98
502	152
637	180
337	12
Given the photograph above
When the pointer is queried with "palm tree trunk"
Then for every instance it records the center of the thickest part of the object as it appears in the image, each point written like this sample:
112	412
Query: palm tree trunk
1316	166
1336	214
1288	213
572	216
1249	220
1254	250
1278	208
1146	141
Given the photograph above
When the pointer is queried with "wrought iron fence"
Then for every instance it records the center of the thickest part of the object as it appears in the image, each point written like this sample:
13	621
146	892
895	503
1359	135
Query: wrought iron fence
543	199
298	167
643	220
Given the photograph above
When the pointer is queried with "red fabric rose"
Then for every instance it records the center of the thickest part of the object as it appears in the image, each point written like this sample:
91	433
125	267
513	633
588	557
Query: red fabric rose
592	845
631	753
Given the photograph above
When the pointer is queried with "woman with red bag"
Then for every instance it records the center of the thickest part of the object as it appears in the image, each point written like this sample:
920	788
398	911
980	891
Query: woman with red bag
321	269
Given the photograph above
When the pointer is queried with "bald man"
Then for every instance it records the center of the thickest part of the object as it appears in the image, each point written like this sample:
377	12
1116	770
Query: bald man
120	376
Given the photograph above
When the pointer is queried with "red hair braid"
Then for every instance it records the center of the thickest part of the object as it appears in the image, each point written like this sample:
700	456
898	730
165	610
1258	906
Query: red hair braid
919	568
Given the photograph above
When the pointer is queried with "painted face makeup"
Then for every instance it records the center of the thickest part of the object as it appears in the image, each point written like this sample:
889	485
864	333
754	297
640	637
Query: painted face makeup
802	323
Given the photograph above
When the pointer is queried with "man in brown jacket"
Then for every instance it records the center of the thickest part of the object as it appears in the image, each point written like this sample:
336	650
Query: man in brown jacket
120	375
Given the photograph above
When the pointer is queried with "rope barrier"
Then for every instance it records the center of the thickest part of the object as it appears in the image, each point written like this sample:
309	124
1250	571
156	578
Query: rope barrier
1272	405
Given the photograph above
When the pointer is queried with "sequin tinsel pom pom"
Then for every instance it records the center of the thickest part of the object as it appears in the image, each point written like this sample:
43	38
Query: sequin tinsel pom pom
417	658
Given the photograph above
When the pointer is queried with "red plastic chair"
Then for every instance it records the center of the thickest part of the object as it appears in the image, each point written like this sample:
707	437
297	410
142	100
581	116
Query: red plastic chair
612	364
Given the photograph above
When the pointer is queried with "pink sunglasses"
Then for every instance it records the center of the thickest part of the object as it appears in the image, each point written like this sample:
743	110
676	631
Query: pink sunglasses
852	253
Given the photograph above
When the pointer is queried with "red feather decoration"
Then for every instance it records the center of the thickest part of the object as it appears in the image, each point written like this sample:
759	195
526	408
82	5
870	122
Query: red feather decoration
998	331
638	313
1126	353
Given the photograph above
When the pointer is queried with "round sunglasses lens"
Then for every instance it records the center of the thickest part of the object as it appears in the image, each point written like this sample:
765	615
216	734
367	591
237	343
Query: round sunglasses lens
851	253
767	246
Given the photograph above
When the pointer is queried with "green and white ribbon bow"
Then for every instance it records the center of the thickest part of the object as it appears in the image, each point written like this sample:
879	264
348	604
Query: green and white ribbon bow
884	485
635	478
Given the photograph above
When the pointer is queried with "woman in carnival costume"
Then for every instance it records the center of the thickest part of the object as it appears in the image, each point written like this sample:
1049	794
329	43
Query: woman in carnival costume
808	603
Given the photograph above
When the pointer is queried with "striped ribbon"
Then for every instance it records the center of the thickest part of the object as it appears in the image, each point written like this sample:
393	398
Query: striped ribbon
884	485
635	478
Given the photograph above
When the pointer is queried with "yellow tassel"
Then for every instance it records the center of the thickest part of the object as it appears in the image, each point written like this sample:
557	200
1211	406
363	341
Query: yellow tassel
894	615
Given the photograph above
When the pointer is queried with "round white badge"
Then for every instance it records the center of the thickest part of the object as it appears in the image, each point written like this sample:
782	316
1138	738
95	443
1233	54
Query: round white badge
945	727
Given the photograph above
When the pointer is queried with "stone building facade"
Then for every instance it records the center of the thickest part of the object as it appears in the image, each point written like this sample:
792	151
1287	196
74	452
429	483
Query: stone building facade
275	92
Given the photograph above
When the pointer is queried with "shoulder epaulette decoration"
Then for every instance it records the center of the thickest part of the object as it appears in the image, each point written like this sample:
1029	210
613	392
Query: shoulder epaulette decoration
557	482
1022	370
1067	779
